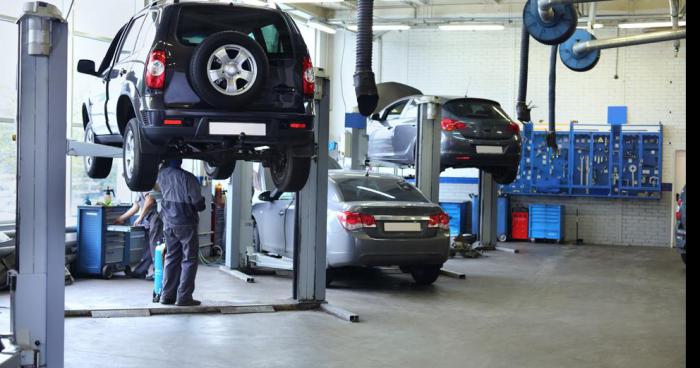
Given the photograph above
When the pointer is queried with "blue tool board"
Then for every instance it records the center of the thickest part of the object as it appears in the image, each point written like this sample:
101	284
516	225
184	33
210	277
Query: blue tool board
593	160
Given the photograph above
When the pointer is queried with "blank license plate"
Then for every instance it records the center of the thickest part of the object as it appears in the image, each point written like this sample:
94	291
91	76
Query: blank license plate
237	128
489	149
401	226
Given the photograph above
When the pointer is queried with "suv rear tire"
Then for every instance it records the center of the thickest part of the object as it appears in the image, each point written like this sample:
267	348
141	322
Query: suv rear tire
96	167
221	171
140	169
249	60
289	173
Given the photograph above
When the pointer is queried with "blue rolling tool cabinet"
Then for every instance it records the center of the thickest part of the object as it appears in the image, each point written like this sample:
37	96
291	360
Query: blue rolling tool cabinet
100	253
593	160
546	221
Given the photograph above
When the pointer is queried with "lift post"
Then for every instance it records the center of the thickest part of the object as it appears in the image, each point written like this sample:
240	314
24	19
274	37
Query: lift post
428	147
312	206
488	197
309	264
358	143
239	223
38	285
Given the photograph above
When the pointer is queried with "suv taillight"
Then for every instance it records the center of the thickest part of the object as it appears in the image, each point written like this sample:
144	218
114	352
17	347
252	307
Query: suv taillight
354	220
308	77
439	220
514	127
678	210
155	70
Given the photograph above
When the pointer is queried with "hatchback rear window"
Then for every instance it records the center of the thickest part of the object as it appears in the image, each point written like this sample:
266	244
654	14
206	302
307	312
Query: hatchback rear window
364	188
476	109
268	28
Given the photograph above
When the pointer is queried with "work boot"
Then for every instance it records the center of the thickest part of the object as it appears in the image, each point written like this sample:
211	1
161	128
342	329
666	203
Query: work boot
188	303
166	301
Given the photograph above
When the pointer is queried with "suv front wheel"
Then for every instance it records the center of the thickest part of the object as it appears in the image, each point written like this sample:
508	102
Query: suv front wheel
140	169
289	173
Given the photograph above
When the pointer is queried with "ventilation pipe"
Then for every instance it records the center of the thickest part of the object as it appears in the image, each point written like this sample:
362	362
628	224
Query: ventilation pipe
674	21
521	108
552	135
365	86
582	48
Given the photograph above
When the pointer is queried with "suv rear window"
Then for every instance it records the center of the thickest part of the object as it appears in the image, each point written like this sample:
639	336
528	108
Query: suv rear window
476	109
268	28
364	188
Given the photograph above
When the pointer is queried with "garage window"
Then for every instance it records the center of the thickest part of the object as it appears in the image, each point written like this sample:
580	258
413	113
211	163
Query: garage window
378	189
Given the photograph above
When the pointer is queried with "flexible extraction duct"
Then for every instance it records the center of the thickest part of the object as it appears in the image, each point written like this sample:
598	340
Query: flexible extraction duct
551	136
365	86
521	107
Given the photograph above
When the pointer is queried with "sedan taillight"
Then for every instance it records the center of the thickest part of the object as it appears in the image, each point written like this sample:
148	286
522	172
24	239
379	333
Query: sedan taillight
155	70
308	77
451	124
439	220
354	220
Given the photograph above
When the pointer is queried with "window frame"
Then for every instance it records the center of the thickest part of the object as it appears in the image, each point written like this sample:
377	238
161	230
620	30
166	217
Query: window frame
118	56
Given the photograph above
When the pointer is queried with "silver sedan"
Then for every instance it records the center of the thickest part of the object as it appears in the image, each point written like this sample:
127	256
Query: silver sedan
373	220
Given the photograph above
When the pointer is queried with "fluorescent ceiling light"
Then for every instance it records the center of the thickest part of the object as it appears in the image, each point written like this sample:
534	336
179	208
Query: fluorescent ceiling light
385	27
649	25
595	26
308	1
471	27
257	3
321	27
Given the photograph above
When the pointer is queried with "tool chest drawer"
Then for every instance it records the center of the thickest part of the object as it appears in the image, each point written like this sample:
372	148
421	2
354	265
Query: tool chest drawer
546	221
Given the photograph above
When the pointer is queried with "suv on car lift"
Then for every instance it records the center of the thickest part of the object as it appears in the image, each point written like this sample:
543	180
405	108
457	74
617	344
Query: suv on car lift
214	82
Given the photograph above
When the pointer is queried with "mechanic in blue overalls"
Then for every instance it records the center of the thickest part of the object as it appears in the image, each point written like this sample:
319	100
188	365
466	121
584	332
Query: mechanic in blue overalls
153	226
182	200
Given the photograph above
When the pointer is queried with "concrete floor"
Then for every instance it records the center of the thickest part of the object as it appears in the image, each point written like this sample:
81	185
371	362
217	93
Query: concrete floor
550	306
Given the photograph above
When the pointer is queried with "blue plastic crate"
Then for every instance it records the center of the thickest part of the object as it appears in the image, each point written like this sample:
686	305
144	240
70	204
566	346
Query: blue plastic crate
546	221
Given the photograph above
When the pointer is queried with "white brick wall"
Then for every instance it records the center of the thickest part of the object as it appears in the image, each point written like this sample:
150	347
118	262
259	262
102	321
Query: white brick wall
651	82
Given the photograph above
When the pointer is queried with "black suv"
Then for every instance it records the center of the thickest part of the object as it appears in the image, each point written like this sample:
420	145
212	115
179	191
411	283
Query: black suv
214	82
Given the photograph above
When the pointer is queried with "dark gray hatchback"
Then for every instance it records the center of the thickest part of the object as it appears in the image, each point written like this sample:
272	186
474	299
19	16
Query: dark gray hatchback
214	82
475	133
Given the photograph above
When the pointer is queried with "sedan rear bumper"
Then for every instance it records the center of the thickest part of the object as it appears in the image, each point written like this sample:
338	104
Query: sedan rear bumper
367	251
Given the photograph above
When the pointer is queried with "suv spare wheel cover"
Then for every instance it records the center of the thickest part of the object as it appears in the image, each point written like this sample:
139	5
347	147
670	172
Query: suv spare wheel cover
228	69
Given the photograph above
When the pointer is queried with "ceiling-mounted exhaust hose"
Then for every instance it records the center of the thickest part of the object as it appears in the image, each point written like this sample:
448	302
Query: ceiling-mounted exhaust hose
521	108
365	86
552	135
